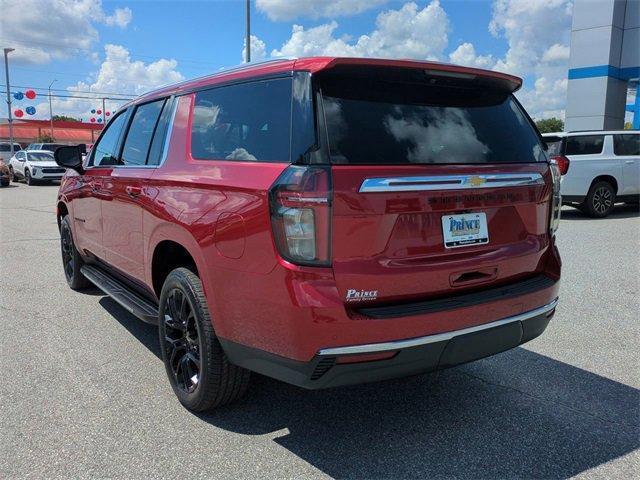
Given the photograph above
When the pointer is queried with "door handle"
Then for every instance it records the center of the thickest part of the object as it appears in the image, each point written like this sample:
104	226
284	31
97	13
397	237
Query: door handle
133	191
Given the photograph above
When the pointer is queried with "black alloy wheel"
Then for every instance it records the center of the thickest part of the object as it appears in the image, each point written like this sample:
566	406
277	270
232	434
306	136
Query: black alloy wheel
182	341
66	245
600	200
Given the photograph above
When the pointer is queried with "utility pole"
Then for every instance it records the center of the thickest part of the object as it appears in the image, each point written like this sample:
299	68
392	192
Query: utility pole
6	67
248	39
103	113
51	111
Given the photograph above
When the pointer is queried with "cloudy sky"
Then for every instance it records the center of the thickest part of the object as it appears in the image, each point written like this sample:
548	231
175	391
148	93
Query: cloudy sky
129	47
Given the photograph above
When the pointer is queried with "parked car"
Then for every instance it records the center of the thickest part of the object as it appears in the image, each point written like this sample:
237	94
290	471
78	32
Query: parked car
5	175
45	146
323	221
599	168
5	150
35	166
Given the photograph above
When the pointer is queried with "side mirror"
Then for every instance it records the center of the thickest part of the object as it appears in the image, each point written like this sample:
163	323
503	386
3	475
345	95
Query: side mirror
83	148
69	157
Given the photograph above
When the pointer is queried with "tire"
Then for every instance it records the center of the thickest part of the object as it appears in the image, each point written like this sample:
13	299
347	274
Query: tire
5	183
191	350
27	177
14	177
600	200
71	260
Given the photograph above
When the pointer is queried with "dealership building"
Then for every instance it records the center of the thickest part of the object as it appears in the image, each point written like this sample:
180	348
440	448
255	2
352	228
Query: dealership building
604	65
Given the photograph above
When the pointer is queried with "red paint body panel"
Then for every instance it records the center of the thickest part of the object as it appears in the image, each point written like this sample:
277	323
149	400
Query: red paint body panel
389	242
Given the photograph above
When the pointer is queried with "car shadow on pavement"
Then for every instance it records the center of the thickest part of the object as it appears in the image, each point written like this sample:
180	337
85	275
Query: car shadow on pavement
517	414
619	212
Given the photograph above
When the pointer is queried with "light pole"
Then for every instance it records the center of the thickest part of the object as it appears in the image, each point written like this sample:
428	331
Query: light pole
6	67
51	111
248	40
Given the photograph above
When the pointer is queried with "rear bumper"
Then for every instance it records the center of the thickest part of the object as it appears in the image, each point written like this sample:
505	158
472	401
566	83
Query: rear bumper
403	357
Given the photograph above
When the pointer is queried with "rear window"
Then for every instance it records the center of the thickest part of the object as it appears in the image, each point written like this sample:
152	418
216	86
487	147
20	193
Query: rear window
627	144
249	121
6	147
554	146
382	122
585	145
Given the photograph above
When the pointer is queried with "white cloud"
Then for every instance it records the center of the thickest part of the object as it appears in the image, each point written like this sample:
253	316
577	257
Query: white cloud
43	30
117	73
258	49
466	55
556	53
408	32
290	9
121	17
537	34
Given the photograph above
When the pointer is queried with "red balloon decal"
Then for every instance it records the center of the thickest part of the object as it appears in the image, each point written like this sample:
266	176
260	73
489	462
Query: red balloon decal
107	113
93	120
18	113
99	112
30	94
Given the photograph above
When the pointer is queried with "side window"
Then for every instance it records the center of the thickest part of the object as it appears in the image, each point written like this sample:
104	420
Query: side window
105	151
20	156
160	135
143	125
250	121
585	145
628	144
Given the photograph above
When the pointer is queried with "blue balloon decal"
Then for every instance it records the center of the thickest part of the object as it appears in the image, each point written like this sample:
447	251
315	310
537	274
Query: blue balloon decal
93	111
18	95
30	110
99	120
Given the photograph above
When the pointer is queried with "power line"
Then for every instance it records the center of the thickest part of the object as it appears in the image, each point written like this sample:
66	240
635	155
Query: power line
73	91
83	97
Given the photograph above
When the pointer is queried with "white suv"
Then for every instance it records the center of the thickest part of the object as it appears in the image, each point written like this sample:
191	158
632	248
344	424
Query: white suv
34	166
600	168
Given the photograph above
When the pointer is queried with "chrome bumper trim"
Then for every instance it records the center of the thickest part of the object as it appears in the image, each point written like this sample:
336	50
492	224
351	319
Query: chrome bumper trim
450	182
439	337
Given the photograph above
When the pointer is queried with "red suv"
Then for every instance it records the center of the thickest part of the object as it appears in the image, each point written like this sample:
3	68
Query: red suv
323	221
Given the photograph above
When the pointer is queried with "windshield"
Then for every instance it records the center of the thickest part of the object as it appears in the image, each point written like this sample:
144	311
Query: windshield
40	157
373	121
51	146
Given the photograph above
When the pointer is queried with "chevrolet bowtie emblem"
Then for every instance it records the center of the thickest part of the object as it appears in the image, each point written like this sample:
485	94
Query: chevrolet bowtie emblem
476	181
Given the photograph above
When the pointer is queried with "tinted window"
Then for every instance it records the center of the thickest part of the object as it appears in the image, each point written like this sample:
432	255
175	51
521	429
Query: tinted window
105	151
628	144
585	145
554	145
157	144
250	121
6	147
372	121
40	157
136	146
51	146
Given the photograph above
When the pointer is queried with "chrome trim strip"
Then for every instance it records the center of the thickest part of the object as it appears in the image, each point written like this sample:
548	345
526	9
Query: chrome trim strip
440	337
449	182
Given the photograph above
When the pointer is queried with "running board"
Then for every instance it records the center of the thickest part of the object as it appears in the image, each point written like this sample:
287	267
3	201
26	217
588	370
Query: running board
123	295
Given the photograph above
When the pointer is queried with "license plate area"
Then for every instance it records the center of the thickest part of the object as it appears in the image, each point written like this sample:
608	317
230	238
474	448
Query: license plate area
463	230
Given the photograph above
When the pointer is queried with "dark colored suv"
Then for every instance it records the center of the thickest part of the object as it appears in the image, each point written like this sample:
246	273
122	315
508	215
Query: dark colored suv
324	221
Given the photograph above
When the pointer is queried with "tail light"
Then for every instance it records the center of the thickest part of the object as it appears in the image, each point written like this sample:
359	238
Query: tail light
562	162
556	199
300	203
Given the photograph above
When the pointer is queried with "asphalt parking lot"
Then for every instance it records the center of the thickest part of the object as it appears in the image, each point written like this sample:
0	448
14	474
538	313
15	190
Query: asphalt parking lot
83	392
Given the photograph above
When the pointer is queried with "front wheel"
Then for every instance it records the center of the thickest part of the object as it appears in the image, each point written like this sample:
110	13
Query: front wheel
600	200
27	177
199	371
71	260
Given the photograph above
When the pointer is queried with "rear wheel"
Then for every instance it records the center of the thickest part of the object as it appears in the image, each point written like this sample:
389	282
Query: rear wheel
199	371
71	260
14	177
600	200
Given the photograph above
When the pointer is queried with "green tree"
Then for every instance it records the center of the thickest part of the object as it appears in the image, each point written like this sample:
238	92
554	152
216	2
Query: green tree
548	125
64	118
44	138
